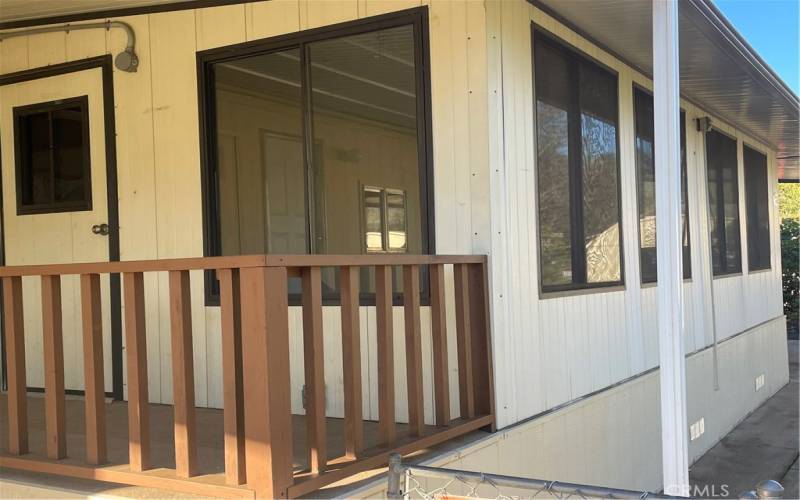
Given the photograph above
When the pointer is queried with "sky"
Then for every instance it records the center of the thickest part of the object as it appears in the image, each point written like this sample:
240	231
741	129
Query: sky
770	27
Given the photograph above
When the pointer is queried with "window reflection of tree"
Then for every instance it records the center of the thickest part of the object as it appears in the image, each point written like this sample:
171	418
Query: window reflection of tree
554	199
600	202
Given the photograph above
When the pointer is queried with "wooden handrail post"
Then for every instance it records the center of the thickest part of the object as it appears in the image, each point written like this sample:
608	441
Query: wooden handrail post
441	382
180	310
52	336
136	354
383	313
314	368
14	330
411	303
265	360
466	389
233	390
351	362
481	340
94	380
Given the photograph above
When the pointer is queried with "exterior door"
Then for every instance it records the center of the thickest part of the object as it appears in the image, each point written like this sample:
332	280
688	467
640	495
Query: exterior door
55	204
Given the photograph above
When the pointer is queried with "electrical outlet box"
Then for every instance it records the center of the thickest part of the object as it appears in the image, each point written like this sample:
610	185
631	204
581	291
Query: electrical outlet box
697	429
759	382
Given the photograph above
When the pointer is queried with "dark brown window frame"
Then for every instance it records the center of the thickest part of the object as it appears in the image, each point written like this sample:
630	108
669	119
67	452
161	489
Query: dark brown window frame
722	236
416	17
753	239
687	257
540	33
19	113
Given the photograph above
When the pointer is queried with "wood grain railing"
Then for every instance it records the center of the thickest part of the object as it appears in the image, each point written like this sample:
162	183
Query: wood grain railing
257	420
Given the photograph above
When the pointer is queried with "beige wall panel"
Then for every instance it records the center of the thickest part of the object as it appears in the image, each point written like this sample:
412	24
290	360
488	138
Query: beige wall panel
49	48
176	151
478	125
443	89
375	7
133	101
218	26
14	54
315	13
275	17
82	44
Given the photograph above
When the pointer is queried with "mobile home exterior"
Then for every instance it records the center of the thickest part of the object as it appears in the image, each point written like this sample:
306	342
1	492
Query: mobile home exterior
395	131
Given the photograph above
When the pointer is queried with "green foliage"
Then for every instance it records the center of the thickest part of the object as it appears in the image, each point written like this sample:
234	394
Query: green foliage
789	200
790	251
789	205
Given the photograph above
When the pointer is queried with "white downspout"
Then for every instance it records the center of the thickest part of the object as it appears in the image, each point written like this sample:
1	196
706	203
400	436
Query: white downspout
666	84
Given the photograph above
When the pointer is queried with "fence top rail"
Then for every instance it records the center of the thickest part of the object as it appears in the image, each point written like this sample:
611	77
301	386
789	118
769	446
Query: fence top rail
236	262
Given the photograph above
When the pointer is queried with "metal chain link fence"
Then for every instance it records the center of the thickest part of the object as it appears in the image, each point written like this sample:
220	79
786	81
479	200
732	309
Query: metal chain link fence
406	481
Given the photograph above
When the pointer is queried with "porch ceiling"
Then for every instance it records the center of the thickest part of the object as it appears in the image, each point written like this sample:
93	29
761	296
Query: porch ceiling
719	70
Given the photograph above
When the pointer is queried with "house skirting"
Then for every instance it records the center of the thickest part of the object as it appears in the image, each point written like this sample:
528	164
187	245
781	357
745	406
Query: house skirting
612	437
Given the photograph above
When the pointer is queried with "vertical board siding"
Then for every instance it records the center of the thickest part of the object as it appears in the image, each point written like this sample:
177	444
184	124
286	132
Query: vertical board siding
568	346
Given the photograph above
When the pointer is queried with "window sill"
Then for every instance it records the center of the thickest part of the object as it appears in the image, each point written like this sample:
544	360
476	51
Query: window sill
653	284
581	291
731	275
759	271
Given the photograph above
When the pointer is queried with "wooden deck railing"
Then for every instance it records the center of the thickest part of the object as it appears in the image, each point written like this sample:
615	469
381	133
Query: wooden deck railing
258	446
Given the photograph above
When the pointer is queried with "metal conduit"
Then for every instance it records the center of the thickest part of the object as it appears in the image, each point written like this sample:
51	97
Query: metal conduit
127	60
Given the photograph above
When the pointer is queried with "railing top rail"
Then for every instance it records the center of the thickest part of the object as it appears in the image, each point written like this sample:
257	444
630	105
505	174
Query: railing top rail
237	262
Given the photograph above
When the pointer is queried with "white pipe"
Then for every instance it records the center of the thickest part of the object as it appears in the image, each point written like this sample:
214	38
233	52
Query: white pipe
666	99
126	61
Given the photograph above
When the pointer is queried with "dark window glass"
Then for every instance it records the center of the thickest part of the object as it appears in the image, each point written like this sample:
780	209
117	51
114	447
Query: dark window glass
317	150
757	205
578	176
52	157
645	174
723	192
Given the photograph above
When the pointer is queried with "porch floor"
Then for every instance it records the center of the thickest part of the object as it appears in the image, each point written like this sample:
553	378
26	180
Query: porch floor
210	446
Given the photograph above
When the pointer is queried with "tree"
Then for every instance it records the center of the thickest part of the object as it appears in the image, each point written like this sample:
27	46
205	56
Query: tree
789	205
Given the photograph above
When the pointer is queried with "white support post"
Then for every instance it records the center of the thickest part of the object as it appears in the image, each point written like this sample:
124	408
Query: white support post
666	98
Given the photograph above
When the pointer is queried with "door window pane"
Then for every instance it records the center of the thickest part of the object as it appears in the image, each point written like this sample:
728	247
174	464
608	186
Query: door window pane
723	191
577	170
757	202
646	191
52	159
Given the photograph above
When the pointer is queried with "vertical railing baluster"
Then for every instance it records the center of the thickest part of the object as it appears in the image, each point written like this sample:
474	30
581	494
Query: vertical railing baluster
441	383
180	308
233	392
265	363
93	372
416	412
14	330
464	341
383	315
52	337
481	340
314	368
136	357
351	362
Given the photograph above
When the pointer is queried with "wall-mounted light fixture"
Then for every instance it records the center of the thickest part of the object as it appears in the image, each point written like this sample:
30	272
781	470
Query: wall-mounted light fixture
704	124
